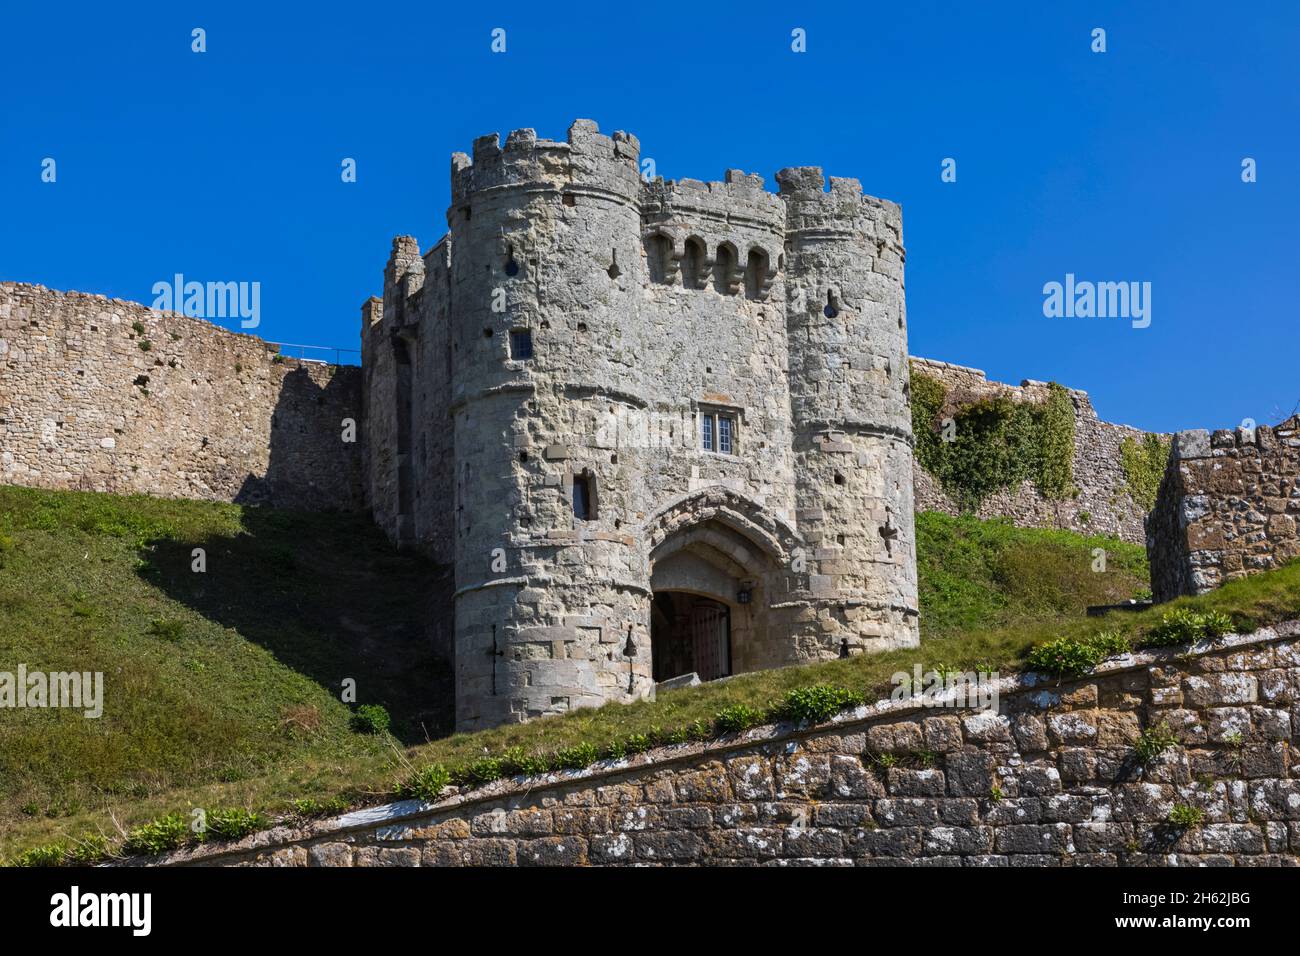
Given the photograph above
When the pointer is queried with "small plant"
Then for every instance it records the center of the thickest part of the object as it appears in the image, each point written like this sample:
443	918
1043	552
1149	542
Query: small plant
137	328
884	760
996	794
1154	741
1184	625
926	758
277	360
1185	816
576	757
1070	656
1216	623
427	783
1234	739
1142	595
700	730
239	367
736	718
518	762
90	849
308	807
637	743
478	772
616	750
168	629
50	854
231	824
145	345
816	704
371	719
159	836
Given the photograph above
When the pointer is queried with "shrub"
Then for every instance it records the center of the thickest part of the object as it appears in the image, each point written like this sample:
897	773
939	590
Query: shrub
737	717
427	782
817	704
1069	656
1185	816
159	836
233	823
1154	741
371	719
1144	467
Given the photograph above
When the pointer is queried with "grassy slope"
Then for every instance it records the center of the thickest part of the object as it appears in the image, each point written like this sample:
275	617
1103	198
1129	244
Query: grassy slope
292	603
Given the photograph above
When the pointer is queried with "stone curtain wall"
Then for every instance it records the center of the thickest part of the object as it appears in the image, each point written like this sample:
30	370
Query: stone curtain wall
1051	779
1103	494
1228	506
202	413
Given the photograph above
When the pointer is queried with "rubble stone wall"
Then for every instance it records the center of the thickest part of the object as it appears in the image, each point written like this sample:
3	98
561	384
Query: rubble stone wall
101	394
1229	506
1051	778
1103	505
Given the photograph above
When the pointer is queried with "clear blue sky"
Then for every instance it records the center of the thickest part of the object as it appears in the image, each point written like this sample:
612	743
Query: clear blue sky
1117	166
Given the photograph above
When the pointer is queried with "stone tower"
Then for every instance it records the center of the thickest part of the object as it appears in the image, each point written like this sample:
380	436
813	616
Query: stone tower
657	427
849	388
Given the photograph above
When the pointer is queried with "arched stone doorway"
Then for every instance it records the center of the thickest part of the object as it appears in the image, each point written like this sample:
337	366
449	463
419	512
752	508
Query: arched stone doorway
716	564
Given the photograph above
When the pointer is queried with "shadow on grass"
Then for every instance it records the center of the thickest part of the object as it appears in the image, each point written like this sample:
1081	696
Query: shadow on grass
330	598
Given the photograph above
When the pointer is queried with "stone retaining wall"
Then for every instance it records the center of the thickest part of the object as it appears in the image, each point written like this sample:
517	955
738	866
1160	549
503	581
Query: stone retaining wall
1103	505
1051	778
101	394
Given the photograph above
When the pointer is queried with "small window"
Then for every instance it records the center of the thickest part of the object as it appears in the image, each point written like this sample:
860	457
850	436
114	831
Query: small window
521	344
583	505
718	431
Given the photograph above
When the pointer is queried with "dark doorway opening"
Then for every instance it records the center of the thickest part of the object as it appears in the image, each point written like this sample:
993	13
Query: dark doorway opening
689	633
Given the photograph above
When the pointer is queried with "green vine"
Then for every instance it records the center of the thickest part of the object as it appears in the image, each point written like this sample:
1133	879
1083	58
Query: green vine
994	443
1144	467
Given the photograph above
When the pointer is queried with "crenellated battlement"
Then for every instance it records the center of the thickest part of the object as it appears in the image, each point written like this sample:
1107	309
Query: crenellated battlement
588	158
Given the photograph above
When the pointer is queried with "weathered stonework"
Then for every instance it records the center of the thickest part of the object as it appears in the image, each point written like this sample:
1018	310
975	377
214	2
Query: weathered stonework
1103	505
1229	506
1050	779
202	413
536	387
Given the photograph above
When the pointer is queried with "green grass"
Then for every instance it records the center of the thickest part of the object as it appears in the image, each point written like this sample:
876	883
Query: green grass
222	689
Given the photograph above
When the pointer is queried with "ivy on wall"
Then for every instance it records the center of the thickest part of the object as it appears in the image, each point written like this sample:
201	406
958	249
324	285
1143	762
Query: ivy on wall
1144	467
994	443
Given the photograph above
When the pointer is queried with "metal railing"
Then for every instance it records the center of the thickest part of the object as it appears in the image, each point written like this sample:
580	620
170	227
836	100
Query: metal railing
302	351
